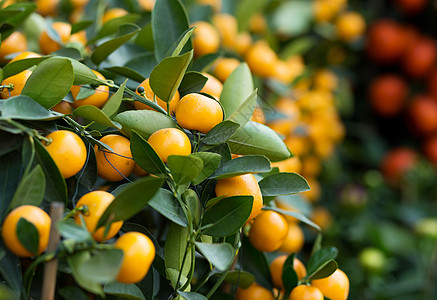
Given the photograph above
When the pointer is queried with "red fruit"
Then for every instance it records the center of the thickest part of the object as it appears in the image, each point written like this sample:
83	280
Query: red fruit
432	83
411	7
387	94
386	41
396	162
420	57
430	149
423	114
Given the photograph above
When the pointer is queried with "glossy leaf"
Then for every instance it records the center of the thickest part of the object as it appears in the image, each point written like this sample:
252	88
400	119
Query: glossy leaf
112	26
175	246
74	261
10	174
244	112
241	278
144	122
31	189
296	215
192	296
92	113
145	156
326	271
211	162
98	269
28	235
243	165
25	108
123	290
192	82
82	74
204	63
219	255
289	275
50	82
220	133
184	168
227	216
167	205
256	138
127	72
320	259
68	229
21	65
112	105
179	45
283	184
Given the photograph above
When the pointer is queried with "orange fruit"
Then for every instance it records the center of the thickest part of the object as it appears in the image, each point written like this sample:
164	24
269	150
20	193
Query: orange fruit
79	3
138	255
397	162
258	23
227	27
47	7
268	231
335	286
147	4
170	141
420	57
113	13
24	55
47	45
277	266
325	80
224	67
98	99
213	86
242	43
306	292
314	193
322	217
387	94
97	202
261	59
18	81
423	114
35	215
350	26
311	167
14	43
298	145
198	112
243	185
63	107
206	39
150	95
68	151
294	239
118	165
215	4
254	292
78	37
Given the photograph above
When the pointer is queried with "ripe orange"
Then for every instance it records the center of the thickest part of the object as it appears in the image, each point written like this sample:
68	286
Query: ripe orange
138	255
240	186
334	287
35	215
277	266
292	164
63	107
97	202
258	23
139	171
268	231
113	13
350	26
242	43
314	193
98	99
18	80
215	4
150	95
47	7
79	37
68	151
325	79
213	86
118	165
198	112
254	292
420	57
306	292
170	141
423	114
227	27
224	67
294	240
14	43
206	39
387	94
397	162
147	4
322	217
47	45
261	59
24	55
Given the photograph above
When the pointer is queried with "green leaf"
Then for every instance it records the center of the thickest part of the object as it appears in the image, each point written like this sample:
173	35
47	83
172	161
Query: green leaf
193	204
246	9
105	49
192	296
24	108
192	82
169	22
28	235
127	72
131	200
113	25
123	290
10	174
227	216
175	246
92	113
184	168
243	165
84	92
10	269
15	21
145	156
211	162
237	88
319	260
7	294
97	268
256	138
50	82
167	205
82	74
219	255
245	111
298	46
283	184
68	229
145	38
56	188
31	189
88	176
204	63
178	46
292	18
112	105
74	261
21	65
289	275
81	25
295	214
168	74
241	278
220	133
326	271
144	122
